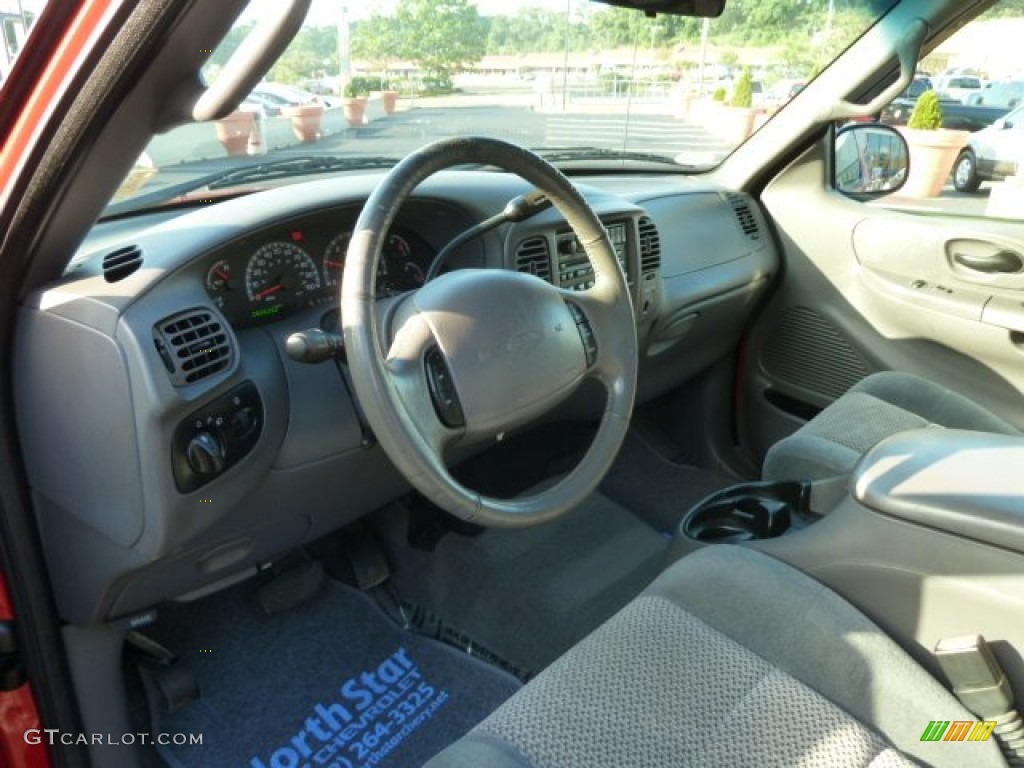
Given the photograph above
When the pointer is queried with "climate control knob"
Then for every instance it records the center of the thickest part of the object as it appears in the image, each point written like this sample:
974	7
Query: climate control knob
205	454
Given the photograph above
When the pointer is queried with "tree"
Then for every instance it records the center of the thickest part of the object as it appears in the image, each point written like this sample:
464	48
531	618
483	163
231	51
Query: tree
443	36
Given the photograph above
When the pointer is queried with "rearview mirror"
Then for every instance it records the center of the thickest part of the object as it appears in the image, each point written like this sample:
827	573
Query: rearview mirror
869	160
702	8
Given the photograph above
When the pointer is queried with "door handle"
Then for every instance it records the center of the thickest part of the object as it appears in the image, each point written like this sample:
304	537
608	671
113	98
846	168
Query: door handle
1000	262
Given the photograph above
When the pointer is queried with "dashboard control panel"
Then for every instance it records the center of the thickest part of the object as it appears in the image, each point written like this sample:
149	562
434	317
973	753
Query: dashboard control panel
215	437
574	269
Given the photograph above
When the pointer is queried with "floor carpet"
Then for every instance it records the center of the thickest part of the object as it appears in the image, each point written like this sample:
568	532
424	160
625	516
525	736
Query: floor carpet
332	682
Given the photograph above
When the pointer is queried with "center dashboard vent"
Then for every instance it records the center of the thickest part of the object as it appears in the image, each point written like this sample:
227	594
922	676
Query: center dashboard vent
650	246
117	265
533	256
192	345
744	216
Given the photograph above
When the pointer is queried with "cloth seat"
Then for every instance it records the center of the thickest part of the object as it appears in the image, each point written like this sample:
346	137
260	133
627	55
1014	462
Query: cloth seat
875	408
730	658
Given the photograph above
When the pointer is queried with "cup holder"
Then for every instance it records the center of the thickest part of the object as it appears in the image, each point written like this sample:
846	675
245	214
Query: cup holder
749	511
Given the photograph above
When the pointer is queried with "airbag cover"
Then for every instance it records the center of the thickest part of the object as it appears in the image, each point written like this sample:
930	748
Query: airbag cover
510	342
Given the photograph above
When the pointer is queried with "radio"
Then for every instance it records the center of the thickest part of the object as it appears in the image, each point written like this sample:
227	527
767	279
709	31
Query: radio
575	271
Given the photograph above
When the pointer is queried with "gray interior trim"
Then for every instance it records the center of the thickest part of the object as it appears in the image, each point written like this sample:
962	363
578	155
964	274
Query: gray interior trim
967	483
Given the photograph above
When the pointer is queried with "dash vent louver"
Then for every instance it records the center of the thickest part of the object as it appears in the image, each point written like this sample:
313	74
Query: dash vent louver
533	256
193	346
117	265
744	216
650	246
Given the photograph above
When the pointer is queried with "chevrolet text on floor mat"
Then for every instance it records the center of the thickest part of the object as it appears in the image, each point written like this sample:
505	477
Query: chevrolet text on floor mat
377	711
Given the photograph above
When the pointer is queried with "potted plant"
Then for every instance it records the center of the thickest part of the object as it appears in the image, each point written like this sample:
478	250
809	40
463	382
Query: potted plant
354	104
306	120
390	98
933	149
233	131
737	121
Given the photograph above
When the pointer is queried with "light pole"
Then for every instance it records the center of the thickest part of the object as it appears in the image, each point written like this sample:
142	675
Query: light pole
704	32
344	51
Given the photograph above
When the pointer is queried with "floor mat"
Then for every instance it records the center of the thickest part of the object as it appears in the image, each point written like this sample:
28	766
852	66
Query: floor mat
329	683
655	489
527	595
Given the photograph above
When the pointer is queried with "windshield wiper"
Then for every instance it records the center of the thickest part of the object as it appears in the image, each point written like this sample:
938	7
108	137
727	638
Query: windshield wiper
265	171
567	154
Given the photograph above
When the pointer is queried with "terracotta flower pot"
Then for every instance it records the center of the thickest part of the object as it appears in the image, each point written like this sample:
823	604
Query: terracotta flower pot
306	121
735	124
390	101
355	111
233	131
932	154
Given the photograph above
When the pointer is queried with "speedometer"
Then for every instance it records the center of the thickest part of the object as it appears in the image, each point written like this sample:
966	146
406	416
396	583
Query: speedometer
280	274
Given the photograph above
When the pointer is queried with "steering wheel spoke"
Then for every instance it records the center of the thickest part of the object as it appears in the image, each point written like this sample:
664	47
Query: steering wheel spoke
599	324
412	369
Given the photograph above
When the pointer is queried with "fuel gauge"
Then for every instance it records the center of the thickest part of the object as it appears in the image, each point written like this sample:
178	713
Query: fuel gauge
219	281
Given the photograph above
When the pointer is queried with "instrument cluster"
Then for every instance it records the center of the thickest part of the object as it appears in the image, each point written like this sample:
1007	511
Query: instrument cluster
265	277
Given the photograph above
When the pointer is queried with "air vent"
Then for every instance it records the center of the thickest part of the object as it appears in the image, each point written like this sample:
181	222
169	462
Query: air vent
193	345
650	246
744	216
534	257
117	265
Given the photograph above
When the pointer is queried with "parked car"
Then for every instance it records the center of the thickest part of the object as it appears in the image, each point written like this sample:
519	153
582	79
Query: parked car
957	87
783	91
274	97
991	154
1005	94
955	115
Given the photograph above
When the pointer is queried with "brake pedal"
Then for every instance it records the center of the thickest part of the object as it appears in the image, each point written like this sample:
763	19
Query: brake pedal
353	556
292	587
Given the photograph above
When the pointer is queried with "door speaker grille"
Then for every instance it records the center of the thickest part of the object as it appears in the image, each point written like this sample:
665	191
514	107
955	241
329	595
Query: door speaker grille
809	352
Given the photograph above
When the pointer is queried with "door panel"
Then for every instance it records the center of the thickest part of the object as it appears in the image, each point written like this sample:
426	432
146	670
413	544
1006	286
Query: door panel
866	289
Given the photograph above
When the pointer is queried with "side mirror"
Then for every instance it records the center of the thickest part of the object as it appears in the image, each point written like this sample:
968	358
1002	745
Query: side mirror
869	160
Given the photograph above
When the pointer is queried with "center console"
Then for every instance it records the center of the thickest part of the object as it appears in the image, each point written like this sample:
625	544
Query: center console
927	541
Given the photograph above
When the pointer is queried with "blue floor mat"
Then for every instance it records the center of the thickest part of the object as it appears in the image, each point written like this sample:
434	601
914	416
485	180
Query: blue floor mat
332	683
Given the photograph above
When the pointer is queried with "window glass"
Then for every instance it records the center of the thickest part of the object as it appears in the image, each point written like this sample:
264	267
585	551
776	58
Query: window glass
579	82
16	20
978	75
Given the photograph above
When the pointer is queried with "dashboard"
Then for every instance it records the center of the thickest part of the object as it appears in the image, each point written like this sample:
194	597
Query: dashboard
194	450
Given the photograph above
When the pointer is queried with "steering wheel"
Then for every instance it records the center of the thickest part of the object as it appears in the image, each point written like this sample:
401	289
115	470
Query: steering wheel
477	352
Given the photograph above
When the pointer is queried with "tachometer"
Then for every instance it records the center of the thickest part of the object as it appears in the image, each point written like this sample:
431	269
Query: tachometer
396	273
404	273
279	274
334	263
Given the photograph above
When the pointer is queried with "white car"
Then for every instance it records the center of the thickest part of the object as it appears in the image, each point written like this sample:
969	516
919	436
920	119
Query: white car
959	87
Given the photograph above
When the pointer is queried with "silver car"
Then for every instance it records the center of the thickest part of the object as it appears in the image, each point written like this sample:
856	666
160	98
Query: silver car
991	154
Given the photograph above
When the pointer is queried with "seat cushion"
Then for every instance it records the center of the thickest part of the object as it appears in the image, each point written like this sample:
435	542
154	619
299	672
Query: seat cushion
875	408
730	658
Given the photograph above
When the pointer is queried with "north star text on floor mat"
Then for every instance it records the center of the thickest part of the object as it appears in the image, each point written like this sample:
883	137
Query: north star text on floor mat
380	709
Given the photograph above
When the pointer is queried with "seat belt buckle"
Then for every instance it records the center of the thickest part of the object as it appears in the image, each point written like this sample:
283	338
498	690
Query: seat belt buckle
974	672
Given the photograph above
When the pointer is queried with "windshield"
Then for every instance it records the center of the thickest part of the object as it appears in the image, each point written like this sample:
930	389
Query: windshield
585	84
